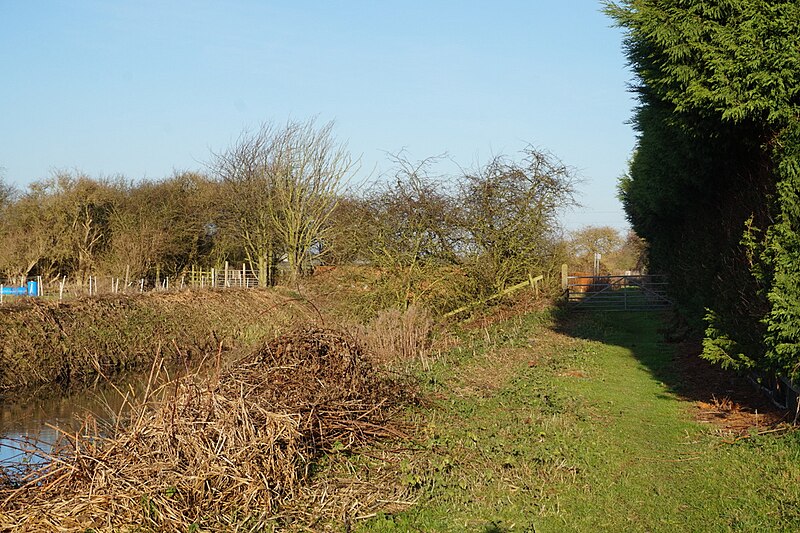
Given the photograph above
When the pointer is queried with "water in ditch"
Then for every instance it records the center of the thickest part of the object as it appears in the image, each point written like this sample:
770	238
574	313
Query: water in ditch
32	419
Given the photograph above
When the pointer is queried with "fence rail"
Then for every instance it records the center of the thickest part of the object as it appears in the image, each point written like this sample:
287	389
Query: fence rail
618	293
533	282
15	289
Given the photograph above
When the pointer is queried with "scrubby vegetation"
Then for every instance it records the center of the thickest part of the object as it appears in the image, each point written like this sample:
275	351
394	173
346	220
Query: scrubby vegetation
279	201
95	338
516	418
383	412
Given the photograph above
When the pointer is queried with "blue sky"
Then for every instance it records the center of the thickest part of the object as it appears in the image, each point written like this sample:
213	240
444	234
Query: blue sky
148	87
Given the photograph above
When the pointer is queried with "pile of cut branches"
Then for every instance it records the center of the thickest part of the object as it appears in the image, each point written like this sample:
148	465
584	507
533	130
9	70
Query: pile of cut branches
218	453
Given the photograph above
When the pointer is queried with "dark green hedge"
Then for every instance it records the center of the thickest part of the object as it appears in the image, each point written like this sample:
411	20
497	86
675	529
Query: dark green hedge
713	184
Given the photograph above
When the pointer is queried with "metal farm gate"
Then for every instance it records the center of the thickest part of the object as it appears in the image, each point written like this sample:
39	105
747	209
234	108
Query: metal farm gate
617	293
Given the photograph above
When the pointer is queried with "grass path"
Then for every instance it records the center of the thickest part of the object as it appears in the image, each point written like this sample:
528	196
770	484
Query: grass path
577	426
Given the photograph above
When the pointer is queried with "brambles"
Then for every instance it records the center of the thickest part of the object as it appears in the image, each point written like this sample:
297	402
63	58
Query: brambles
473	235
510	217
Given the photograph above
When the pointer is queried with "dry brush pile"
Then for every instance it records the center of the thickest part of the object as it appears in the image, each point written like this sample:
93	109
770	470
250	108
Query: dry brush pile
213	454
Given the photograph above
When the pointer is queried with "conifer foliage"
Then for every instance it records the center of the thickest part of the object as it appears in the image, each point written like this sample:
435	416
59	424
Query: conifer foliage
714	183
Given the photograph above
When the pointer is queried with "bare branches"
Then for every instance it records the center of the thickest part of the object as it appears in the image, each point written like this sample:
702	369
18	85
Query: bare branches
510	215
311	169
283	183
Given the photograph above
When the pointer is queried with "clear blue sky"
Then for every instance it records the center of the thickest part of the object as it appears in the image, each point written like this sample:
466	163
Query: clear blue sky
142	88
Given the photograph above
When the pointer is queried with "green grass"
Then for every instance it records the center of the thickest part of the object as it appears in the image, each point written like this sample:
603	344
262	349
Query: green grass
582	430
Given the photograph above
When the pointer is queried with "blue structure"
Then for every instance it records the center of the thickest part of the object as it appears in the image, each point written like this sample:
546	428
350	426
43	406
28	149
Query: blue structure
31	289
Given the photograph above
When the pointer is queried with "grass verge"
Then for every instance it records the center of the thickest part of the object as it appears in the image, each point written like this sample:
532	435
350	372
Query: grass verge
578	423
78	341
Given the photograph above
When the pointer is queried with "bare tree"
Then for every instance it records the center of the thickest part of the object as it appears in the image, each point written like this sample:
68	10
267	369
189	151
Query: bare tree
245	208
160	226
348	231
28	237
618	252
411	229
84	207
283	185
7	192
310	169
59	225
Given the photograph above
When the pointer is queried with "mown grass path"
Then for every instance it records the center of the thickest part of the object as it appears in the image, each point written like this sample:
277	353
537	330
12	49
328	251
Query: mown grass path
579	425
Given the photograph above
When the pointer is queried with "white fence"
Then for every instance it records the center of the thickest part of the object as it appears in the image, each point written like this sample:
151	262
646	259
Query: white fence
222	277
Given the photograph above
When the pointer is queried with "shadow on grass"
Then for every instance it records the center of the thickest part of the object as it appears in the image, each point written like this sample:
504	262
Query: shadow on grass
676	364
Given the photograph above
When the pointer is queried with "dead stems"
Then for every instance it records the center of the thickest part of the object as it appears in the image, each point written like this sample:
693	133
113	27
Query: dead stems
212	454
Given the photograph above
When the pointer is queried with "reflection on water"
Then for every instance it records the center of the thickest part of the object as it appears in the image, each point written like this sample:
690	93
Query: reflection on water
33	420
29	419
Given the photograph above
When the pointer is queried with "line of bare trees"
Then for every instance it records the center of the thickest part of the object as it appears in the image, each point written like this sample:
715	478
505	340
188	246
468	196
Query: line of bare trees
282	195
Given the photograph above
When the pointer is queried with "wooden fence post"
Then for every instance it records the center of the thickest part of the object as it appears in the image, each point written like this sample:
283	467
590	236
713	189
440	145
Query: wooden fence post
535	283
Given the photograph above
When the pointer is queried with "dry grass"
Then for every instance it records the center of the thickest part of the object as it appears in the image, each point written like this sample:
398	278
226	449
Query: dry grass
76	341
219	454
395	336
